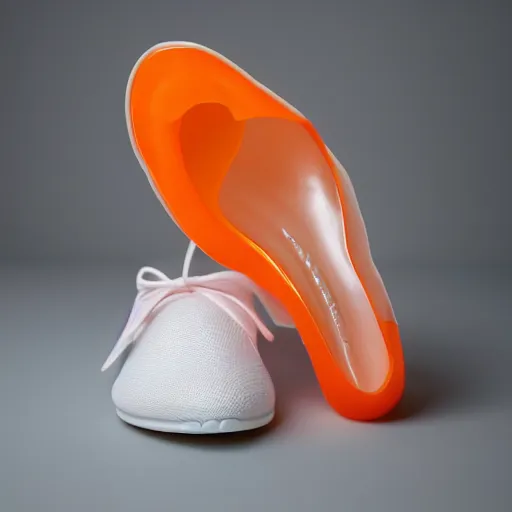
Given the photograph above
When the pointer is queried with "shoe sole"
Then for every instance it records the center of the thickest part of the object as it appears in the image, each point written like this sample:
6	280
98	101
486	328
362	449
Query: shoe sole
178	97
223	426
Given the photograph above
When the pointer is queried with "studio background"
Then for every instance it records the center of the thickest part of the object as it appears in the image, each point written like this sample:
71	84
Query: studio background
414	99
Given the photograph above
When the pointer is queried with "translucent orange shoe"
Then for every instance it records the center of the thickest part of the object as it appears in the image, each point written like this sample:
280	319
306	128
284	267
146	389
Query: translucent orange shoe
247	177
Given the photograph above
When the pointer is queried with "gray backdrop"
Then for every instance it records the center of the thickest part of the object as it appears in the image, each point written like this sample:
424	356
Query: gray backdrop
414	98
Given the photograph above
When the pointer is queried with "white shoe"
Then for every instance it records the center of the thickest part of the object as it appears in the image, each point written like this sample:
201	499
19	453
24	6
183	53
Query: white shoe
194	365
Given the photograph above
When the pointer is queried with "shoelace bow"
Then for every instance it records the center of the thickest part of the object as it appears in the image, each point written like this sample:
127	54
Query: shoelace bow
160	289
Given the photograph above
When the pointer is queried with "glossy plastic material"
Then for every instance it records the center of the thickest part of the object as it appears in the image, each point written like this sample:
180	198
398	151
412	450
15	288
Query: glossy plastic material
248	178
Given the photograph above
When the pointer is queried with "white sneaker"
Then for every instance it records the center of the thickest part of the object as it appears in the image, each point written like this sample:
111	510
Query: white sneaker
194	365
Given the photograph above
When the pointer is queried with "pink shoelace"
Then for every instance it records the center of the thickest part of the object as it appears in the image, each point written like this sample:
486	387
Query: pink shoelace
156	289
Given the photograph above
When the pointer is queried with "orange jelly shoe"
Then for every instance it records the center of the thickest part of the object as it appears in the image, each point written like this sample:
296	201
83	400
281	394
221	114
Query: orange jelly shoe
247	178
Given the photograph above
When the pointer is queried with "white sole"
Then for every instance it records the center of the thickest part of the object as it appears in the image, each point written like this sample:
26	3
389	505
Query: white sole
196	427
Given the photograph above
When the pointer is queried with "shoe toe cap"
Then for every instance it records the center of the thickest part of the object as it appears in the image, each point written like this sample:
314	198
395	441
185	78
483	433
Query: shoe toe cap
182	369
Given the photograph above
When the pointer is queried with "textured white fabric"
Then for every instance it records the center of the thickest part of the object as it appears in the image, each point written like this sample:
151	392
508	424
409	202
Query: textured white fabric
232	292
194	354
194	362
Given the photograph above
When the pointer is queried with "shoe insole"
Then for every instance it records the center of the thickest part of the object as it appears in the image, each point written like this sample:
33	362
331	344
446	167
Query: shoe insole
278	190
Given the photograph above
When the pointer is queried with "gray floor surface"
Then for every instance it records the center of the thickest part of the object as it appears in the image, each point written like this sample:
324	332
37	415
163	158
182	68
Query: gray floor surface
447	447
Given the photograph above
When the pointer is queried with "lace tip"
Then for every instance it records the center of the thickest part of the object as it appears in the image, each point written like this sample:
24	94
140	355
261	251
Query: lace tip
267	334
106	365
